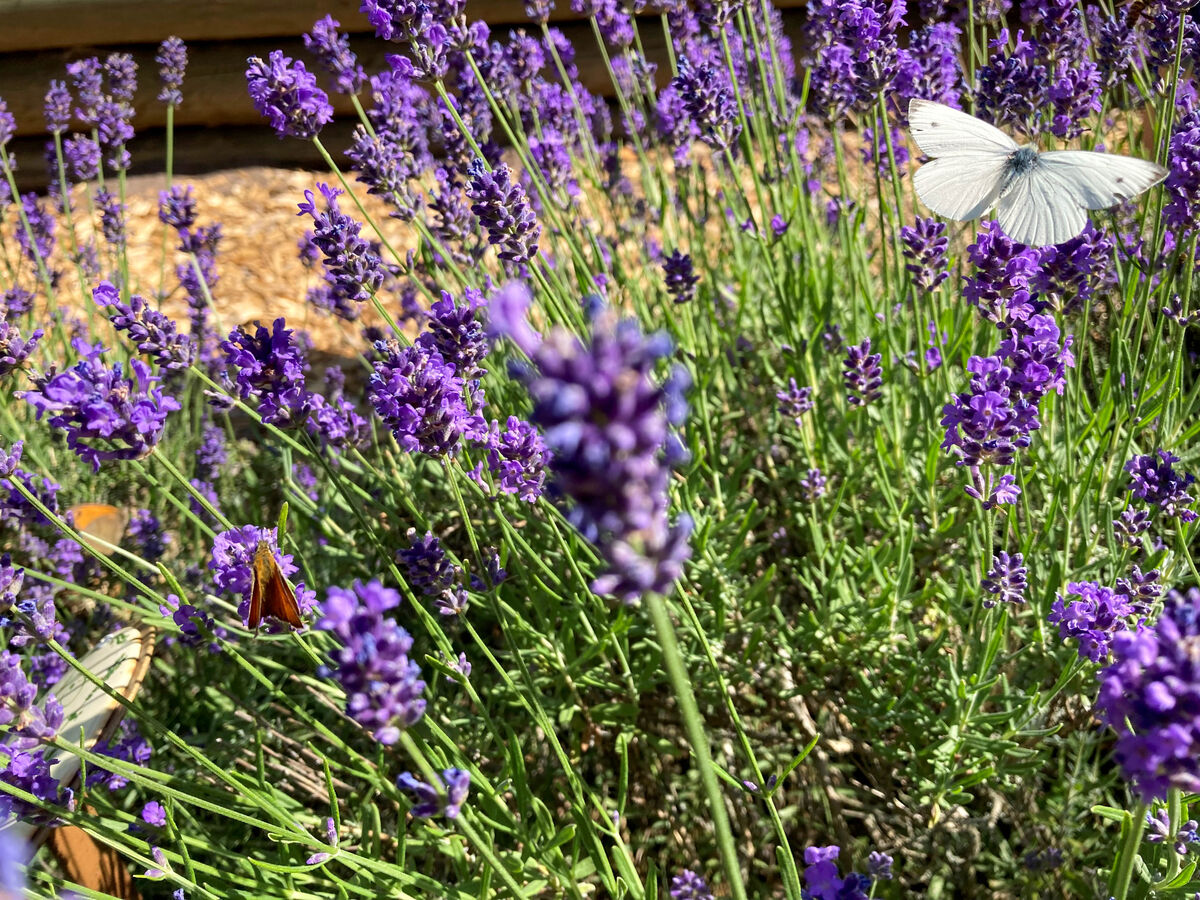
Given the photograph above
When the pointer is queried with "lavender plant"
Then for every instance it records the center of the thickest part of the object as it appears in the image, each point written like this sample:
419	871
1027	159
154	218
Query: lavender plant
688	513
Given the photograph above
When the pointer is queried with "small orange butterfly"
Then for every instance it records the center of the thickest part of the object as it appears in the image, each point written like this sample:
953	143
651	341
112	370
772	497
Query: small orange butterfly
270	593
100	526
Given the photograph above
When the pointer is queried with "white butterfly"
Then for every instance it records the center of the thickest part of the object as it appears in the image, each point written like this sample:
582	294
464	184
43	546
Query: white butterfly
1040	198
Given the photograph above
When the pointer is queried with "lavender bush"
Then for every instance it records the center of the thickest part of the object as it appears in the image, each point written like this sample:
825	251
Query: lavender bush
693	515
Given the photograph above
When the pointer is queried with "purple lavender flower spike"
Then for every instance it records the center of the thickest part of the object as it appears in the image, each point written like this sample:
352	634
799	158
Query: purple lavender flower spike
504	211
421	398
425	564
680	276
383	686
268	367
925	246
286	93
172	59
1005	579
112	219
333	52
105	415
863	376
688	885
795	401
1150	694
13	349
518	459
608	426
1093	619
1154	479
429	801
353	270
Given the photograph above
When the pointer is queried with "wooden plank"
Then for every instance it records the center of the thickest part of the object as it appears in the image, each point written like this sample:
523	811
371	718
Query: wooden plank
199	149
214	91
48	24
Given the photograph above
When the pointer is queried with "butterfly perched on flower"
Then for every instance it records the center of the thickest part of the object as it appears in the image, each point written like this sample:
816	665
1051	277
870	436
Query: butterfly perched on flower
270	593
1039	198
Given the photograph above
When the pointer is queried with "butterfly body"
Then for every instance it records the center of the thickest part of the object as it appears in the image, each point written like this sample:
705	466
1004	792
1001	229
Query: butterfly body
270	593
1039	198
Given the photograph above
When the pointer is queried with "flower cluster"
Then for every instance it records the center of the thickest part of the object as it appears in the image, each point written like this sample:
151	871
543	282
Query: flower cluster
1150	695
1153	478
105	414
268	367
1005	580
608	425
153	333
287	95
1093	619
354	271
383	686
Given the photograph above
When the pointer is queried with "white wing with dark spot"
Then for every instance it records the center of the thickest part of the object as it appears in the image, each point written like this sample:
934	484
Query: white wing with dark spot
1101	180
941	130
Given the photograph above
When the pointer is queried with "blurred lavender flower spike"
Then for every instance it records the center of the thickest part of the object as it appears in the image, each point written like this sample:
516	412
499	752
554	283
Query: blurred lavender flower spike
1005	580
172	59
333	52
286	93
795	401
428	800
688	885
607	424
1149	695
879	866
425	564
105	415
680	276
13	349
177	207
57	108
383	686
706	94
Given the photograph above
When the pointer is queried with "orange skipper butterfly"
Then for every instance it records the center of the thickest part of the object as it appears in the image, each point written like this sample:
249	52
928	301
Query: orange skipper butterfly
270	593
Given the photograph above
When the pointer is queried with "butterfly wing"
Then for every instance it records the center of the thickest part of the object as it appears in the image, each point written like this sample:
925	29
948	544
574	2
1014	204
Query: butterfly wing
941	130
279	600
1101	180
1038	208
963	186
270	593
